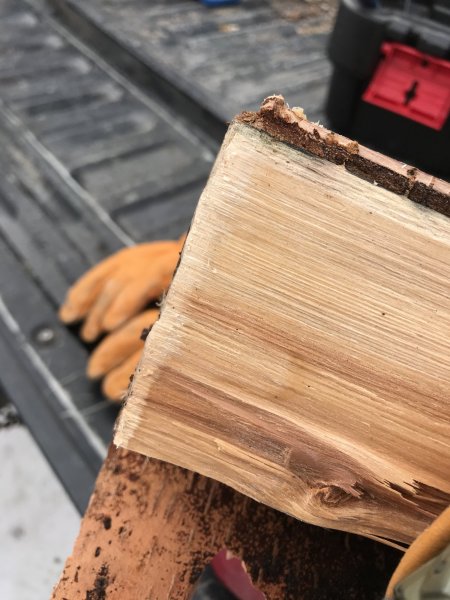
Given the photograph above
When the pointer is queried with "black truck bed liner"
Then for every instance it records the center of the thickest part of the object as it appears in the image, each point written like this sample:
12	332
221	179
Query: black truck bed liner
108	144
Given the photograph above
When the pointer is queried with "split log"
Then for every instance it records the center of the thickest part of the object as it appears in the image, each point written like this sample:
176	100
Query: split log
151	528
303	351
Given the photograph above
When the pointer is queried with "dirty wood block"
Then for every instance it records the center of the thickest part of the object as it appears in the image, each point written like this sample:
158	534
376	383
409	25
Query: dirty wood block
303	351
151	527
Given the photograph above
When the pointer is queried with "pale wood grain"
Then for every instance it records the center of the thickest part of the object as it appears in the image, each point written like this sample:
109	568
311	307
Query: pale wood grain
303	351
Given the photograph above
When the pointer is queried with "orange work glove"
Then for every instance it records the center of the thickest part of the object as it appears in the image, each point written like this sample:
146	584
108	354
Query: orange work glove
429	544
117	356
112	297
119	287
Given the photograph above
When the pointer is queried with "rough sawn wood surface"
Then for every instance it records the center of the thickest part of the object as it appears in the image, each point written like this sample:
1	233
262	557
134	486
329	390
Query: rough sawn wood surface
151	527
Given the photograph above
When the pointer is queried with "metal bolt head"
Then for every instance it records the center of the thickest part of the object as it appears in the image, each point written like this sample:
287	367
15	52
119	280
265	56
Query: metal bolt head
44	335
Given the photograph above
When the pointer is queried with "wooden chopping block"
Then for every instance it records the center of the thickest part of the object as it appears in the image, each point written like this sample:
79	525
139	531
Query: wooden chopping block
303	351
151	528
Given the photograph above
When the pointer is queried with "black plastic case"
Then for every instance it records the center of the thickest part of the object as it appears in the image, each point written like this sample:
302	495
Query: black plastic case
361	32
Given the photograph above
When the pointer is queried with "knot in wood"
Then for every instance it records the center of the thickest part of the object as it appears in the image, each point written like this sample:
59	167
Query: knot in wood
335	495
